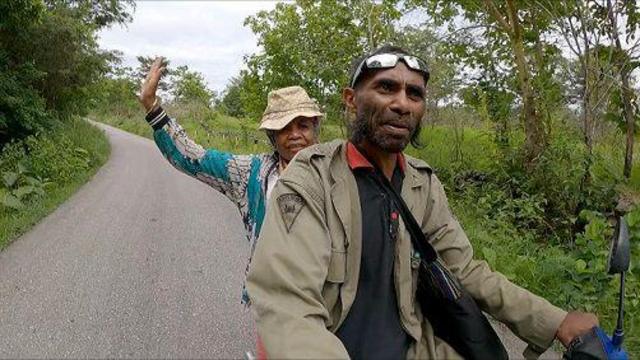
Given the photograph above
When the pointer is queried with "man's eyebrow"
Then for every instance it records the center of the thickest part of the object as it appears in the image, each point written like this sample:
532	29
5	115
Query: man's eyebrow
386	80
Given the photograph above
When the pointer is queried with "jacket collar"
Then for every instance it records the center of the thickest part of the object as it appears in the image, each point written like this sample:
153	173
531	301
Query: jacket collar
340	168
357	160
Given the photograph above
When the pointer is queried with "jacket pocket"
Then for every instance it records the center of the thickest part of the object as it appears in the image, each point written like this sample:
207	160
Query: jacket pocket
337	266
331	289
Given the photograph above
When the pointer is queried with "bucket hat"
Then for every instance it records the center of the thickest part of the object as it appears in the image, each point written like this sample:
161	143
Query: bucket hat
286	104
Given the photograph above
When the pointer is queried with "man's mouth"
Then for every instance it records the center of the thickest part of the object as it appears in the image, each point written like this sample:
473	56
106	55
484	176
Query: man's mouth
396	128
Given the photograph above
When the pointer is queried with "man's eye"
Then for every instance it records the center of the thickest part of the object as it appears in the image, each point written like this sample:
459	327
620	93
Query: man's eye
416	93
386	86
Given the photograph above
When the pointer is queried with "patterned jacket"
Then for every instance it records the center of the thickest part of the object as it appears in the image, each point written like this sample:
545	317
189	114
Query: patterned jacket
244	179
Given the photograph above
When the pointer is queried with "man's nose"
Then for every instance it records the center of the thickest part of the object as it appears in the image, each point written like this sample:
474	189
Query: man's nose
400	104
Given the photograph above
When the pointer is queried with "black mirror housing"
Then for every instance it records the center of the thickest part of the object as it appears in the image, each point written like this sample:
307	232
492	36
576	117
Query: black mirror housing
620	252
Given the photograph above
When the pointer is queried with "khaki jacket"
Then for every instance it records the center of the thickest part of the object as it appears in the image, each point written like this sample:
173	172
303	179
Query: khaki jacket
304	275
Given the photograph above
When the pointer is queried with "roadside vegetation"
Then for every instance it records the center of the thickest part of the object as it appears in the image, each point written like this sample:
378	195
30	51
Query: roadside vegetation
41	171
50	64
531	124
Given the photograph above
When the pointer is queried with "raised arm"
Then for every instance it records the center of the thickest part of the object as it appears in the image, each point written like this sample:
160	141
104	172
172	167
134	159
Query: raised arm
225	172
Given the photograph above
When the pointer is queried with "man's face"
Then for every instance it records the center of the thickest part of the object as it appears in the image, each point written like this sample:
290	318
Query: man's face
297	135
389	105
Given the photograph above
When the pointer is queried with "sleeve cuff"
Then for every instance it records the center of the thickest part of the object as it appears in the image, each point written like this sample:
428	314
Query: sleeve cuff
157	118
546	327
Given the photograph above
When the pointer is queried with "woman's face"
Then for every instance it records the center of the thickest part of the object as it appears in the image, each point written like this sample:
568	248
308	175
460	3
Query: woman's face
297	135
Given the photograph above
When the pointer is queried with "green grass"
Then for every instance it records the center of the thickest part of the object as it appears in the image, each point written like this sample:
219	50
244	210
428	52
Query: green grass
15	224
551	271
444	146
134	126
79	134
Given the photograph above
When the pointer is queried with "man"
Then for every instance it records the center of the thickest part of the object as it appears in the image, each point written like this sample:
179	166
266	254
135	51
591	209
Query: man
334	274
291	121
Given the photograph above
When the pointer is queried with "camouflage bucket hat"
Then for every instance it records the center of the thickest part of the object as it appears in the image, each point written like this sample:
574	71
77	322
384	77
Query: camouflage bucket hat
286	104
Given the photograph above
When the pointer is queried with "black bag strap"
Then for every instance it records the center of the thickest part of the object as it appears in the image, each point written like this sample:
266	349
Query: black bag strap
419	241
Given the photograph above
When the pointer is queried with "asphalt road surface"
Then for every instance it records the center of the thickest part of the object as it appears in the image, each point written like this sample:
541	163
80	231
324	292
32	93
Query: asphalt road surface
142	262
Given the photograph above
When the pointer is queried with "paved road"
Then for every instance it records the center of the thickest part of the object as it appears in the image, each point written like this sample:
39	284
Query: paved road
143	262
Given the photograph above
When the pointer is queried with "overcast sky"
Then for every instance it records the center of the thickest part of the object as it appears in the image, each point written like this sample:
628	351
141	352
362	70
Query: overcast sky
208	36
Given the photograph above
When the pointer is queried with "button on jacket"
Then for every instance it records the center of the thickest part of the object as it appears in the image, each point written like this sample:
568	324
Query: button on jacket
305	270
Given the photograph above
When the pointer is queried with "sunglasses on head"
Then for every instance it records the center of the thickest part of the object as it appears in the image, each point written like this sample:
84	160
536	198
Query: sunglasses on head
390	60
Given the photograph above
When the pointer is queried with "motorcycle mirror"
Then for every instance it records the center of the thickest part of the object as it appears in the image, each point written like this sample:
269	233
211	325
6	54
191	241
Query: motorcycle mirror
619	253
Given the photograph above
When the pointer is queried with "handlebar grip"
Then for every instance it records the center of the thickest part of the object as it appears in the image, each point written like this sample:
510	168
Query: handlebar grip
594	345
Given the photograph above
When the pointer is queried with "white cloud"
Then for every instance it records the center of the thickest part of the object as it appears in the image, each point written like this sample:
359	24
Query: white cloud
209	37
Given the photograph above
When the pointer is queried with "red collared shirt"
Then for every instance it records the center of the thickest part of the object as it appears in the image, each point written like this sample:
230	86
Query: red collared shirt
356	160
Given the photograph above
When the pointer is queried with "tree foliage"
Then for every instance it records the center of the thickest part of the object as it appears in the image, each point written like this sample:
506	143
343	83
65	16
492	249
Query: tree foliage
504	42
50	61
328	35
231	103
190	86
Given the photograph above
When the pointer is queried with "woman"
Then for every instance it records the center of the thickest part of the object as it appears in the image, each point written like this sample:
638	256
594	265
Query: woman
291	122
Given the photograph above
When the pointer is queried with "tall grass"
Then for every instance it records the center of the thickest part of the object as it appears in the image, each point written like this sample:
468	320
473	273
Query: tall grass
57	163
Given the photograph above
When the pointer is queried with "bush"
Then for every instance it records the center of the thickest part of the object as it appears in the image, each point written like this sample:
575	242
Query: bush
22	110
20	186
572	278
547	201
34	165
50	61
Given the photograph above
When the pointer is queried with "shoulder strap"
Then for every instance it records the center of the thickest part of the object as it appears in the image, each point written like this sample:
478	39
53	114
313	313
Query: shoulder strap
419	241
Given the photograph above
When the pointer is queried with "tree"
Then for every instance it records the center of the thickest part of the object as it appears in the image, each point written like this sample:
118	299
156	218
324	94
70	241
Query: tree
329	34
628	12
506	38
509	21
231	103
65	51
578	26
99	13
115	93
189	86
50	60
22	110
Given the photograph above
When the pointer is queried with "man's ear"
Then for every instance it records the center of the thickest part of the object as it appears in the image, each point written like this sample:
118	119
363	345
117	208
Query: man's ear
349	99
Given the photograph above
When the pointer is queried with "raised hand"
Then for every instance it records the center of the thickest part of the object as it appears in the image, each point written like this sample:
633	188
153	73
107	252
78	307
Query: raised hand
150	86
